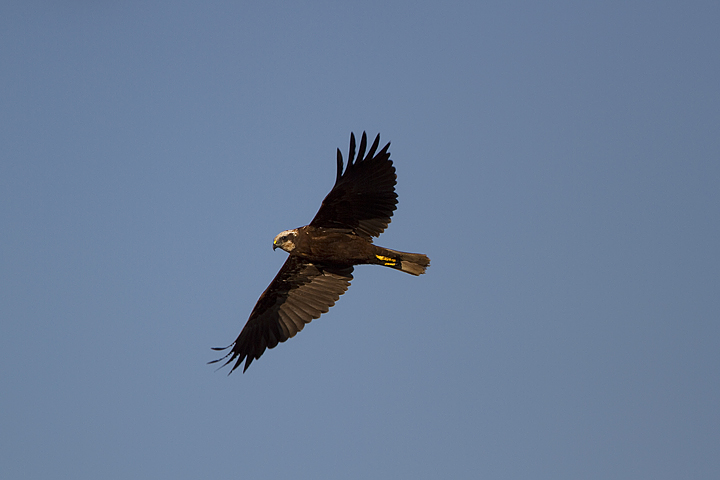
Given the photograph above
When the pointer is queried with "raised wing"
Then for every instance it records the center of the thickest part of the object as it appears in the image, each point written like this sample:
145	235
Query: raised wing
363	198
299	293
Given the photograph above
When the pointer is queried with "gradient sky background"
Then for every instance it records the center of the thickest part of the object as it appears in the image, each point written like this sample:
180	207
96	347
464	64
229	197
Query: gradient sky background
558	161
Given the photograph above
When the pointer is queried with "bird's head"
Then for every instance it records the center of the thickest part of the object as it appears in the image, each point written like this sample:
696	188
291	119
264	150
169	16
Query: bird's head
285	240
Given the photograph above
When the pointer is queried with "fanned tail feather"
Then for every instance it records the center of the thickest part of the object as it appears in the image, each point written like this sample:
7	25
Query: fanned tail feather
412	263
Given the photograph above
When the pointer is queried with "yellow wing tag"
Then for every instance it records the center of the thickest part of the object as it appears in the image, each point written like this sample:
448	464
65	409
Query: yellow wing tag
388	261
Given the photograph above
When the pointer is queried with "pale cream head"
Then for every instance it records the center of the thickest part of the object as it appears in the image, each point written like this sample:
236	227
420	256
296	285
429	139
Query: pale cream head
286	240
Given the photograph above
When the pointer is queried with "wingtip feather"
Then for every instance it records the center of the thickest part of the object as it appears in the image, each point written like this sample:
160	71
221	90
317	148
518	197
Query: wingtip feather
351	153
371	152
363	145
339	166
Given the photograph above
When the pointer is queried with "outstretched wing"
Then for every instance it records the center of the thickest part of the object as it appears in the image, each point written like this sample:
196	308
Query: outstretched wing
300	292
363	198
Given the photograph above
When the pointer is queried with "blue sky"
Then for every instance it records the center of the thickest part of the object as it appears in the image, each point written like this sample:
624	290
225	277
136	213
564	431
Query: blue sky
559	162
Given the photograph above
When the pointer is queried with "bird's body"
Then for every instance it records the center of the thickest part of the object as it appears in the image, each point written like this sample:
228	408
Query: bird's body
334	246
322	254
327	245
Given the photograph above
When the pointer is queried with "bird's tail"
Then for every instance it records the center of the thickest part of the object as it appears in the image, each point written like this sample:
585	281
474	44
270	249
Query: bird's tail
412	263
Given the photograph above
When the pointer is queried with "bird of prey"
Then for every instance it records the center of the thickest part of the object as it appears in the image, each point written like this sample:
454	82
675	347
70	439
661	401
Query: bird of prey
323	253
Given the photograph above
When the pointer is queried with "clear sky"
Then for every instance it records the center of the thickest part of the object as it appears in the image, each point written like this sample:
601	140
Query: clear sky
558	161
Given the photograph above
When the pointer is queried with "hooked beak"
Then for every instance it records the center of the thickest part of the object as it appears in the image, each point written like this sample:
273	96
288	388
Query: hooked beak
274	246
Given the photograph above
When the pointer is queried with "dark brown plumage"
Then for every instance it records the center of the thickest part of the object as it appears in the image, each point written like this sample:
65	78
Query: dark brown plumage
323	253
